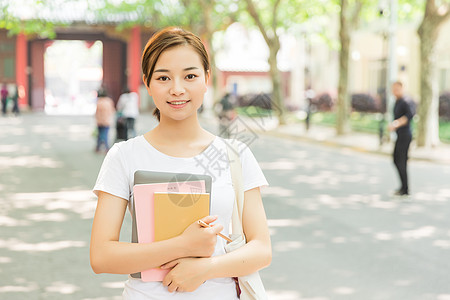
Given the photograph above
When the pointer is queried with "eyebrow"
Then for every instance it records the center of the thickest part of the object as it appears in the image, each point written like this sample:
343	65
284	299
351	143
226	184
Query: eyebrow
166	70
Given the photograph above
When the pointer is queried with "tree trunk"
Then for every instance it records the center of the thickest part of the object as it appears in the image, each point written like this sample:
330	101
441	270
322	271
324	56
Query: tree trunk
342	102
273	42
427	93
209	32
277	95
214	74
428	125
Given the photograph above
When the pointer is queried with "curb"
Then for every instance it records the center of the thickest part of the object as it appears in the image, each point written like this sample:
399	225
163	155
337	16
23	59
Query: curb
439	158
359	149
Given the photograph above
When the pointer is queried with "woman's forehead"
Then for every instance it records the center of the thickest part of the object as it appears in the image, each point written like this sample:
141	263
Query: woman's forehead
179	57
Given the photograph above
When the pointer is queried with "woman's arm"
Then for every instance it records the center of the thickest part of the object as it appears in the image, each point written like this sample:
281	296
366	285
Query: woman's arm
255	255
108	255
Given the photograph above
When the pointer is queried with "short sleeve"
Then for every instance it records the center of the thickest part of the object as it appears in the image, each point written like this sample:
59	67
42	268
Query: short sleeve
112	177
407	110
252	174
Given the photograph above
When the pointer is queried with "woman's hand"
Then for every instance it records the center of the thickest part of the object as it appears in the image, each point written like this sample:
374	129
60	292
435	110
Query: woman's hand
187	274
199	241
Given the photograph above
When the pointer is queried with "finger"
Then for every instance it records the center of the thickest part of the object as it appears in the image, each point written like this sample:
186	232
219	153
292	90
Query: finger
217	228
167	280
170	264
172	288
209	219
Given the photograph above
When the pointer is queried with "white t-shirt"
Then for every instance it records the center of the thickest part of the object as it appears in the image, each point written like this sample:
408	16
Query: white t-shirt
116	177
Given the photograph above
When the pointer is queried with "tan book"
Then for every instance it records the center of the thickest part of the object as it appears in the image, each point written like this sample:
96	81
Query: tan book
174	212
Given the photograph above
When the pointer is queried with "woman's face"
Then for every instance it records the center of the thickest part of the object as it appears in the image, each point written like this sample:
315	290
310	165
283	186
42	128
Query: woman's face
178	83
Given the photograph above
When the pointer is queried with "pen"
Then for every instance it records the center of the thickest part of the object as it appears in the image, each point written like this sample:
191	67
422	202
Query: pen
203	224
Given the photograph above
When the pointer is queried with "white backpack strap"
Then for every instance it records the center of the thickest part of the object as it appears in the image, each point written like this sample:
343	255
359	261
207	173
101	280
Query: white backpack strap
236	177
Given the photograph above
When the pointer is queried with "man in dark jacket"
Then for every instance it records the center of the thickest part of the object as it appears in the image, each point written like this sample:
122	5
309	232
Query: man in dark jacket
401	125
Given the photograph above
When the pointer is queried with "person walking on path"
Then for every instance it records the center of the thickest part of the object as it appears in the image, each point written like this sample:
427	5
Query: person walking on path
176	72
15	100
401	125
128	108
226	113
104	117
4	97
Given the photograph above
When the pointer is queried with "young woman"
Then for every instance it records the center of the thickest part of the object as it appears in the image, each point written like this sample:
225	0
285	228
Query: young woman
176	72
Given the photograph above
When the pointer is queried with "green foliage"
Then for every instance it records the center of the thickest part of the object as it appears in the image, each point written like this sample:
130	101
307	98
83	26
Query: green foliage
410	10
138	11
15	26
292	15
189	14
444	131
253	111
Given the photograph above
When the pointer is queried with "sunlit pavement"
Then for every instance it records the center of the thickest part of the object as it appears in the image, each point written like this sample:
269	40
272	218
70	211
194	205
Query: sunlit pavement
48	167
336	232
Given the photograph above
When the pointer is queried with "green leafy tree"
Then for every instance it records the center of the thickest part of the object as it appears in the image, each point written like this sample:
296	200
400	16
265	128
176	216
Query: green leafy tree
15	25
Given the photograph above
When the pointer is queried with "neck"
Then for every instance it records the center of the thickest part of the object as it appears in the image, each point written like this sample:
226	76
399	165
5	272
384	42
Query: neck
184	130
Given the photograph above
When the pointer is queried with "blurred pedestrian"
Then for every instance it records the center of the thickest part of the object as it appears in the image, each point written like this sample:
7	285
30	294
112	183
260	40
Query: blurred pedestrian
401	125
15	100
310	94
226	113
128	108
104	116
4	95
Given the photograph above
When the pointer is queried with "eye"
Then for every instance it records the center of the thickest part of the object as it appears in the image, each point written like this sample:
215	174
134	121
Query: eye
163	78
191	76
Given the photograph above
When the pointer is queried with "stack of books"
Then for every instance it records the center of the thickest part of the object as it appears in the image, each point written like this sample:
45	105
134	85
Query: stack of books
164	205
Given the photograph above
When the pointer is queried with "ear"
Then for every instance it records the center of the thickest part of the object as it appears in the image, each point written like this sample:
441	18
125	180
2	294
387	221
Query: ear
145	83
207	76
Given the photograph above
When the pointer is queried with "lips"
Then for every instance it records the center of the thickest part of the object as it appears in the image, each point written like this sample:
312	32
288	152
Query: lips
178	103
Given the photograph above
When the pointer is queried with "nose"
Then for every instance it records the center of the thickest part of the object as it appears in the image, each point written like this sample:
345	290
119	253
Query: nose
177	88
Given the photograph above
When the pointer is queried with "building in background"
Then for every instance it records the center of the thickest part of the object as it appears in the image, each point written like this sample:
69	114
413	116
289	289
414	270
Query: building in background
22	56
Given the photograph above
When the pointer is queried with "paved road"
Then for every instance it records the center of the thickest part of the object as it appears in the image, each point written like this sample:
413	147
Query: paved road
336	232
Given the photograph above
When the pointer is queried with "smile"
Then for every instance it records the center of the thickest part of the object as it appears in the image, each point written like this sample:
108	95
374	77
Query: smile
179	102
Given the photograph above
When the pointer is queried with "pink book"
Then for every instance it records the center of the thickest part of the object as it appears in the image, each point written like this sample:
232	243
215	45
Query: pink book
143	198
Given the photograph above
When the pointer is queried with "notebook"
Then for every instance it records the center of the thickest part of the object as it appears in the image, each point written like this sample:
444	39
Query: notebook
149	177
143	201
174	212
145	177
144	204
